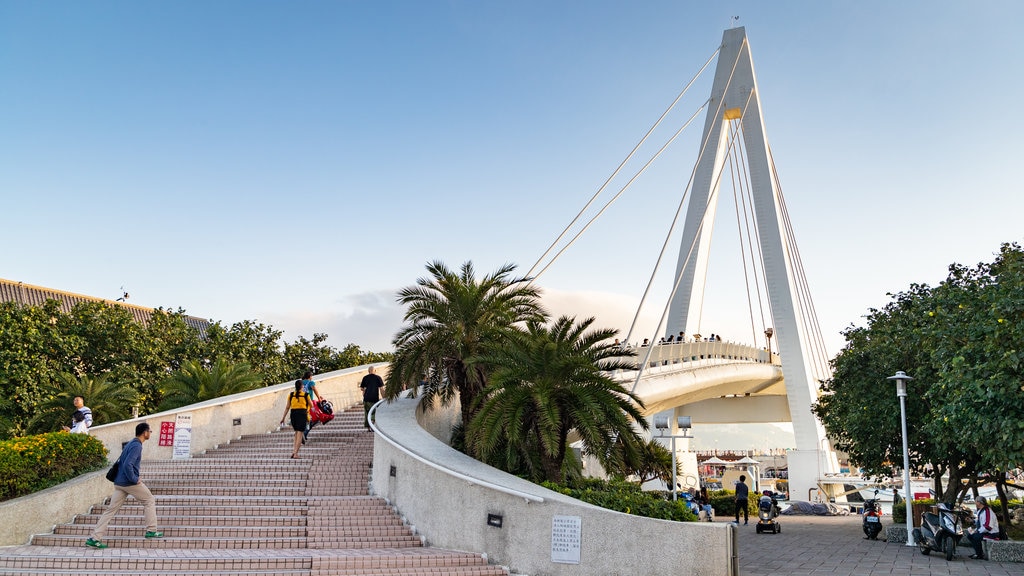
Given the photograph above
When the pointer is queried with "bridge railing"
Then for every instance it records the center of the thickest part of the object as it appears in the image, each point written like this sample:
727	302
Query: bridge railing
716	352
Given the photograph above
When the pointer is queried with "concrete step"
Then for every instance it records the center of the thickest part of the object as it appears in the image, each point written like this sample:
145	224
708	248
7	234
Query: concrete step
247	508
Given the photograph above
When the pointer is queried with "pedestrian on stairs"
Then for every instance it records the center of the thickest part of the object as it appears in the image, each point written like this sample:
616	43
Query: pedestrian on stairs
298	406
127	484
371	385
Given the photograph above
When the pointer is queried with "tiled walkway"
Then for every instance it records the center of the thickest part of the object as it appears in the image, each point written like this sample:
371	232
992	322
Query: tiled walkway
835	546
247	508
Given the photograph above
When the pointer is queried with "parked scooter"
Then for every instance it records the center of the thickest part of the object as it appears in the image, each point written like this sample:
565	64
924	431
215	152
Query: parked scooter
940	532
872	523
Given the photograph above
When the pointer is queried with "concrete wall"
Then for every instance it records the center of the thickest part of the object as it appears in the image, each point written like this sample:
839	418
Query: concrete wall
449	496
258	412
40	512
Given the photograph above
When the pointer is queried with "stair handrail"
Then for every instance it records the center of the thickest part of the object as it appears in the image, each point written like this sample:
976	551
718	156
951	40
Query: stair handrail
420	459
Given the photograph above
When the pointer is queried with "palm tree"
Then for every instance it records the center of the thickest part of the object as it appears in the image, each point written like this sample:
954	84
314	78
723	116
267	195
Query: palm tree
548	383
194	383
109	400
451	317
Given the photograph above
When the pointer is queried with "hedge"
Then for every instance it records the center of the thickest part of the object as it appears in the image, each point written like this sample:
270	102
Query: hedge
32	463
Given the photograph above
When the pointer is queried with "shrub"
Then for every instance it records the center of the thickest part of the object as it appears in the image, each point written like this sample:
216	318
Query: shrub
625	497
724	503
31	463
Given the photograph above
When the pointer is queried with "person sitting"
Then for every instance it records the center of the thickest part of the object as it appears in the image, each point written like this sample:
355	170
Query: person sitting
986	528
78	423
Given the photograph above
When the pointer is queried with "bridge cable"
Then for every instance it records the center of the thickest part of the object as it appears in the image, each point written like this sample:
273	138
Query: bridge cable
623	163
616	197
756	255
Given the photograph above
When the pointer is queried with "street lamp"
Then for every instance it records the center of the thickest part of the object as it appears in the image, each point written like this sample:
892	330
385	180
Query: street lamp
768	333
661	423
901	379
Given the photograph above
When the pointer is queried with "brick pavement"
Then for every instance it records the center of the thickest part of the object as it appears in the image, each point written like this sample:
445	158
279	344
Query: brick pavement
835	545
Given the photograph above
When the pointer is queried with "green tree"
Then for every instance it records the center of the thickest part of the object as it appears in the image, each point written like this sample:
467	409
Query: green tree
194	383
451	318
649	461
253	343
961	341
31	350
109	400
548	383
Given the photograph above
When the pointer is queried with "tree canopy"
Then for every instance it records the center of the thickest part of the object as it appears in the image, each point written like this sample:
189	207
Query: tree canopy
963	343
118	364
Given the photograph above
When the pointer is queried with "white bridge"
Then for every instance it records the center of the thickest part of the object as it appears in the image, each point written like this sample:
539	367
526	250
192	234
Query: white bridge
721	382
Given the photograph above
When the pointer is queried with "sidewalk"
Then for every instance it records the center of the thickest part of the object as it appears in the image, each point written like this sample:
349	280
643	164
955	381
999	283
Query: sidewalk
835	545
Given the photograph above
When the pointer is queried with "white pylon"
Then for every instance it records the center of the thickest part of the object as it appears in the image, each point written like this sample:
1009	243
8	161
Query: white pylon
734	96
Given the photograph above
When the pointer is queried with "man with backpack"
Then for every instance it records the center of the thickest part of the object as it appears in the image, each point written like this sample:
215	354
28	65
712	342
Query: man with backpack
126	484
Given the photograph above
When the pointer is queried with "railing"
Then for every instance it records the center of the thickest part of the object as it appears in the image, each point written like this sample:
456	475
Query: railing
668	354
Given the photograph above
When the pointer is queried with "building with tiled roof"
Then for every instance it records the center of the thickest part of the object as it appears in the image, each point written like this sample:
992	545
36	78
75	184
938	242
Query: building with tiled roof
29	295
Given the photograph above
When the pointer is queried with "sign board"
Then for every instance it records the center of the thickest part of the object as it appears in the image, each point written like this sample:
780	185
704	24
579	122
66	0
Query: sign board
566	538
182	436
166	434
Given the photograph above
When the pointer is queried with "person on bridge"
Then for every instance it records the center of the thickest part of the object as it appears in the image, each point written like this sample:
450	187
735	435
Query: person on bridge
126	484
742	499
986	527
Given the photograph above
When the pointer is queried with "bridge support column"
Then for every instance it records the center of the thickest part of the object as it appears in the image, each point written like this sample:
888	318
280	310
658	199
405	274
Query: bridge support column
805	467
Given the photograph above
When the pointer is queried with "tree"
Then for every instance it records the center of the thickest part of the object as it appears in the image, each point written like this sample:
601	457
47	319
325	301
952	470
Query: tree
195	383
650	461
110	401
253	343
962	342
451	318
548	383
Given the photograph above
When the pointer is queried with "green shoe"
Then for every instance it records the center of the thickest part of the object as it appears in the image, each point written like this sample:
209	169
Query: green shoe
95	543
154	534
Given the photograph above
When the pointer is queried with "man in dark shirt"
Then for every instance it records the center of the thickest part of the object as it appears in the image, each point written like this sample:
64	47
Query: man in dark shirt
742	496
127	484
371	385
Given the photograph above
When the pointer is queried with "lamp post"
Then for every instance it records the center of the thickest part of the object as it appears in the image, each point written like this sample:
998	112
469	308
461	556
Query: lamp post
768	333
901	379
661	423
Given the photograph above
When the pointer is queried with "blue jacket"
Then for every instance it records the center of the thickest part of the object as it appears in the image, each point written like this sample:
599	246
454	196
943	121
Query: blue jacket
131	459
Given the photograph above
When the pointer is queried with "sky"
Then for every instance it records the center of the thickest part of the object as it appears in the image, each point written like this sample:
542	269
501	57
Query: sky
298	163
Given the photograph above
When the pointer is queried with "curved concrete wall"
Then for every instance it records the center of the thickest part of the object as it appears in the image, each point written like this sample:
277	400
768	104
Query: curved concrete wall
449	498
213	423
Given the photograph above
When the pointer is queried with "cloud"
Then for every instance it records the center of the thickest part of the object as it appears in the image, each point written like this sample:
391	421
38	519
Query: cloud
610	310
366	319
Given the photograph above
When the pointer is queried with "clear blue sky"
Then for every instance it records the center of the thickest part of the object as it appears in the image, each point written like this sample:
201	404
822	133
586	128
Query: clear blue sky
297	163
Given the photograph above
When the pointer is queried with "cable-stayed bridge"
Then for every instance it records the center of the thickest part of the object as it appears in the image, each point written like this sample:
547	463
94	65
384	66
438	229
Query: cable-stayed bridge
723	382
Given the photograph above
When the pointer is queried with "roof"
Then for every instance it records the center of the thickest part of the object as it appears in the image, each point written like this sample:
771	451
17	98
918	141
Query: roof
27	294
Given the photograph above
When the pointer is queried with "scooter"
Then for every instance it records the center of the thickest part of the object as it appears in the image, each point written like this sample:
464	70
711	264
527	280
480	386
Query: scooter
767	512
940	532
872	523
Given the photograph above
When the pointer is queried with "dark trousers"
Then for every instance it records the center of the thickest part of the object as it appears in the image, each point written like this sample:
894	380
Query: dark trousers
977	540
366	412
741	505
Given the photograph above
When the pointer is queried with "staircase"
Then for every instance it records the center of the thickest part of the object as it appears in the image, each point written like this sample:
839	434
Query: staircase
247	508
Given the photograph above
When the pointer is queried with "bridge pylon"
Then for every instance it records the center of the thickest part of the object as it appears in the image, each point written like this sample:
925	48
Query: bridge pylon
734	98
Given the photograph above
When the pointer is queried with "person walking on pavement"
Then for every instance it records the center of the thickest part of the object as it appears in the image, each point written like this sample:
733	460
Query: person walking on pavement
371	385
127	484
742	499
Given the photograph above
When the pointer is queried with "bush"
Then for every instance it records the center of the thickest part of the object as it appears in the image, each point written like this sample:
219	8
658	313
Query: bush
625	497
32	463
724	503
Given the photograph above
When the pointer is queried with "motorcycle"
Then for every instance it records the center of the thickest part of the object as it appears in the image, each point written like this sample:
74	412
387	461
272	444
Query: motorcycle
872	523
941	532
